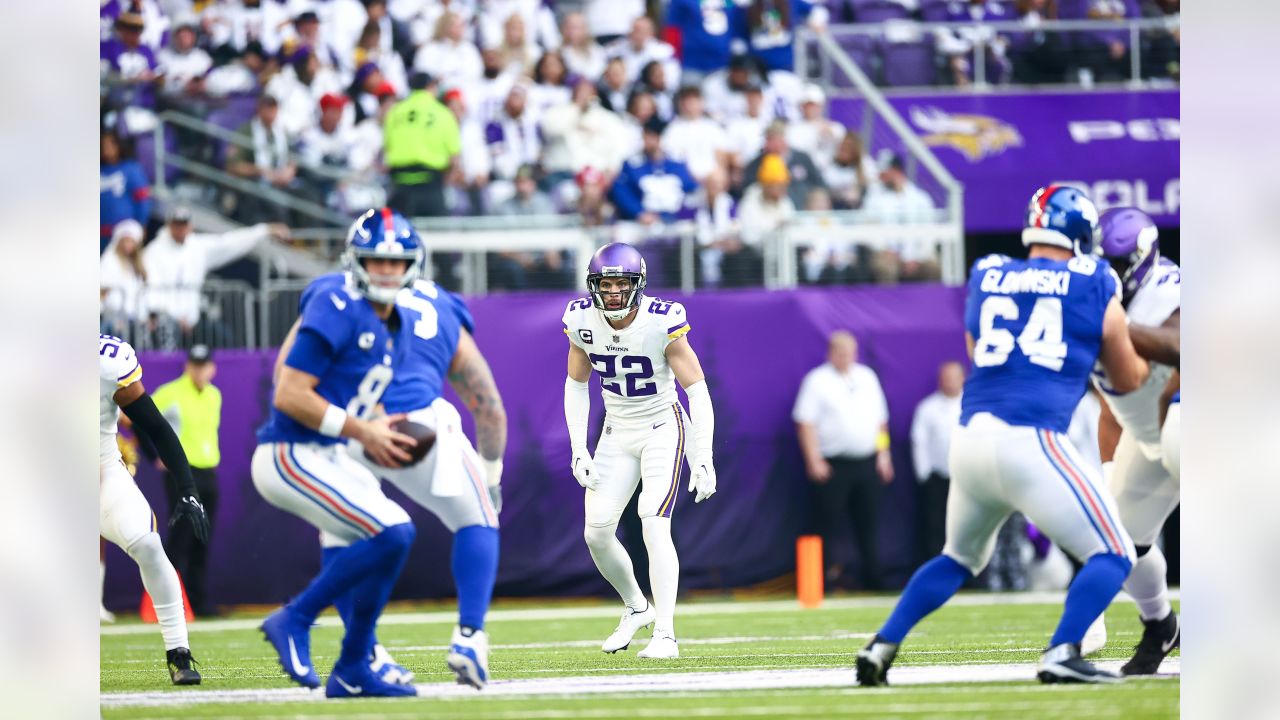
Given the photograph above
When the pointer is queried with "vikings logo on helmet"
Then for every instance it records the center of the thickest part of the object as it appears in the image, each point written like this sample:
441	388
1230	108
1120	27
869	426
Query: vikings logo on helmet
383	233
617	260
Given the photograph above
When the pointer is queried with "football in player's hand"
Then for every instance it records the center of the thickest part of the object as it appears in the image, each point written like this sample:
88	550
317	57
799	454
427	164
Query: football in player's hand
423	436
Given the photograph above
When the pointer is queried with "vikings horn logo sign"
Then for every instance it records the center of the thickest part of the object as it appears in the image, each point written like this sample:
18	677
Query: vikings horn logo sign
974	136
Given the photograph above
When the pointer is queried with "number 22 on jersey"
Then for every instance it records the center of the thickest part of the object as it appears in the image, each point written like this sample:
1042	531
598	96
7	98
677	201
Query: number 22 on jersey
1040	340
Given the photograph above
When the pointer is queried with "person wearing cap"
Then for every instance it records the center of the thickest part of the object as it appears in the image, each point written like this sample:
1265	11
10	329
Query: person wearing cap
325	149
592	203
765	207
122	280
814	133
125	192
474	165
370	48
896	200
178	260
803	175
299	86
421	142
129	64
193	406
653	188
183	64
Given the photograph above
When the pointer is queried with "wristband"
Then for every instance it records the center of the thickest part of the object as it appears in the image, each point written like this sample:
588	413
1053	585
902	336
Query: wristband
492	471
334	418
882	440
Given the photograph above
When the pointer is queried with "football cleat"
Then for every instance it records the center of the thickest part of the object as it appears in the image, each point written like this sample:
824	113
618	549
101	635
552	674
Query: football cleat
360	681
874	660
1159	638
180	661
1095	638
292	641
1063	664
662	647
386	668
105	615
468	658
628	626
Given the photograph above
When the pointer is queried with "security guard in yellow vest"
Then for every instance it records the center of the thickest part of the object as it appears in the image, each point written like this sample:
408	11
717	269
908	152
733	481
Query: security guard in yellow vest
420	141
193	406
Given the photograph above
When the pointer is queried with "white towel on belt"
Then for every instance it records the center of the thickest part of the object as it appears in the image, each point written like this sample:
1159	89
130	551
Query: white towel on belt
449	479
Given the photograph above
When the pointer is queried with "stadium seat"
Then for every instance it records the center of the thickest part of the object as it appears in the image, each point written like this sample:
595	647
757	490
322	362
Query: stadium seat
861	49
934	10
878	11
909	64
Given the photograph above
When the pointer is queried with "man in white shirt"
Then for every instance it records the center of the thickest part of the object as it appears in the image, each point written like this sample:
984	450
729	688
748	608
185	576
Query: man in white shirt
936	416
182	64
842	420
895	200
695	139
178	261
640	47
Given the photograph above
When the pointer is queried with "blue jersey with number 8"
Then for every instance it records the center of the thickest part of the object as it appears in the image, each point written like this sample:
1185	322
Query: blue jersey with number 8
1037	329
353	352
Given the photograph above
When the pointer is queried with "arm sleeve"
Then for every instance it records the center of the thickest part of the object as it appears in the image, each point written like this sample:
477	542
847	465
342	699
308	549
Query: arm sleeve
149	423
231	246
703	418
577	410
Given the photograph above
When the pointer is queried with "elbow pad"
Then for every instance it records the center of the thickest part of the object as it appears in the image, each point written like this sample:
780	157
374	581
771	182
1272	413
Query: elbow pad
577	410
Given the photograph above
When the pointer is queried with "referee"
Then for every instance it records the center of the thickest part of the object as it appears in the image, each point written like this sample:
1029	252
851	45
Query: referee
193	406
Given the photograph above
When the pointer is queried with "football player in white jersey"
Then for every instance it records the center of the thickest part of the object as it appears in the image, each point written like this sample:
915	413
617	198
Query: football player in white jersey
637	345
124	517
1145	490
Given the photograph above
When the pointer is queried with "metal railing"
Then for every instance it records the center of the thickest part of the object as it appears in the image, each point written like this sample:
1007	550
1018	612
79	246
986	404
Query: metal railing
219	313
984	36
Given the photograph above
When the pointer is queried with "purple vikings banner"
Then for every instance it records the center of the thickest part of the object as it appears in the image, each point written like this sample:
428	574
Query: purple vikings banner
755	347
1122	146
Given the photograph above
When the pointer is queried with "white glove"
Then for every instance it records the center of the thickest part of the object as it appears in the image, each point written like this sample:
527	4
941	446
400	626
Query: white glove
702	481
493	478
584	470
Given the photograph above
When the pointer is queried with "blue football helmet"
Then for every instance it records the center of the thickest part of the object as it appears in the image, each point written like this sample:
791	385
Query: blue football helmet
386	234
1062	216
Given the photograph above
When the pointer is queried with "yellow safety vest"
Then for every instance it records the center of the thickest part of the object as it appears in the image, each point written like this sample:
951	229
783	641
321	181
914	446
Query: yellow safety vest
420	137
195	416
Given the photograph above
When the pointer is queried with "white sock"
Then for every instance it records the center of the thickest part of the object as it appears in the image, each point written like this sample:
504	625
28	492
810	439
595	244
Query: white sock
161	582
664	572
102	580
1148	586
615	564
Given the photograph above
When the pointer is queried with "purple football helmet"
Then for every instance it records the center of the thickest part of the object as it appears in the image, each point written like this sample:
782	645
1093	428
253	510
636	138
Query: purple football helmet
617	260
1129	240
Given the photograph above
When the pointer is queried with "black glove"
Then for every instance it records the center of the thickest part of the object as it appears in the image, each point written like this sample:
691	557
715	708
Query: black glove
189	507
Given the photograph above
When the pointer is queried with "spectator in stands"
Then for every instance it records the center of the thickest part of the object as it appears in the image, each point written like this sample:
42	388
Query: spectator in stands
842	421
299	87
521	270
122	280
129	65
640	108
652	188
393	37
265	159
582	134
702	34
307	33
1038	56
640	47
423	16
725	91
609	20
592	203
486	96
765	207
513	142
770	29
183	64
614	87
935	418
814	133
897	200
831	262
717	228
236	25
537	19
474	164
550	84
957	42
850	173
366	185
1162	47
518	49
1103	54
695	139
125	191
582	55
371	50
325	150
421	142
653	79
746	132
178	261
449	56
803	174
245	74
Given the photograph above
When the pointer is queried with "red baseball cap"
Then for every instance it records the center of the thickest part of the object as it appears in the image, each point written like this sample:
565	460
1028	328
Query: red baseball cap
384	90
588	175
332	101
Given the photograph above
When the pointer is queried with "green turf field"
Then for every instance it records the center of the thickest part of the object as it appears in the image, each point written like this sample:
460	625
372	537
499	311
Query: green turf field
742	659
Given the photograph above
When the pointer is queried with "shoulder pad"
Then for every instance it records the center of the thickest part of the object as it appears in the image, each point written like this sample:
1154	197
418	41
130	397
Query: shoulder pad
989	261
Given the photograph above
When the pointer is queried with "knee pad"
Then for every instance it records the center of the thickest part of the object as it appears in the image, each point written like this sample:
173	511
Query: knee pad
599	535
1141	550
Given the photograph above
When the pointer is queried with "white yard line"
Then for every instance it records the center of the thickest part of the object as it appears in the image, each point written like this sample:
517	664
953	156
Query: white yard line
688	682
570	612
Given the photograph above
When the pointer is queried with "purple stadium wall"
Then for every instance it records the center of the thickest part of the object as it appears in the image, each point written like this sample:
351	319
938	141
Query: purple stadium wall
755	346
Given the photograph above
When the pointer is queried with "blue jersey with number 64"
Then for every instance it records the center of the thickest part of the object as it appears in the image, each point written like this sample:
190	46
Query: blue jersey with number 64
353	352
1037	328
